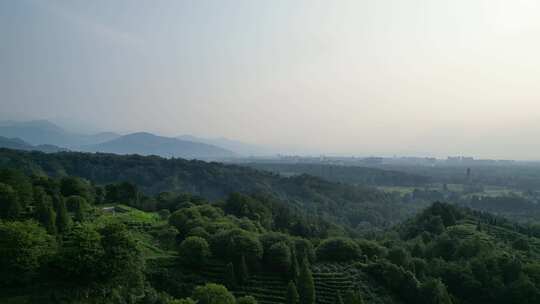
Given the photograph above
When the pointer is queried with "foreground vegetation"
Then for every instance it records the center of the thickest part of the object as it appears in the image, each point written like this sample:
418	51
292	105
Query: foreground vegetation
65	239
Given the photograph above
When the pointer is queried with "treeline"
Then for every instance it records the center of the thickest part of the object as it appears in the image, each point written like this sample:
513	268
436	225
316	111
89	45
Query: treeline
347	174
523	207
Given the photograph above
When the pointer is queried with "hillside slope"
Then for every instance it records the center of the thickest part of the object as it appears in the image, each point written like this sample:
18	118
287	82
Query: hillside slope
346	204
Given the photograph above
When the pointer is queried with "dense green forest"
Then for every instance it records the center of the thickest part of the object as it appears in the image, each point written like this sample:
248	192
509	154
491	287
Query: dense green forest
346	174
96	228
510	190
355	206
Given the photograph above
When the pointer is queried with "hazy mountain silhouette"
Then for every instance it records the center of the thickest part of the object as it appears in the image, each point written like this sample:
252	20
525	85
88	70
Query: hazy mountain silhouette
149	144
39	132
29	135
19	144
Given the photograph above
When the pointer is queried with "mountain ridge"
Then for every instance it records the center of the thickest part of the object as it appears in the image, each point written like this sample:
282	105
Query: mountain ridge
44	132
144	143
19	144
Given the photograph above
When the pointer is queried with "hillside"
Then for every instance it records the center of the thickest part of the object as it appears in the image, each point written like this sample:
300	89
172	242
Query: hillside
184	245
342	203
150	144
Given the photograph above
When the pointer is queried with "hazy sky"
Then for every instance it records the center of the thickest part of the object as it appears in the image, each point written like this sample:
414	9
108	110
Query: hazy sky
428	77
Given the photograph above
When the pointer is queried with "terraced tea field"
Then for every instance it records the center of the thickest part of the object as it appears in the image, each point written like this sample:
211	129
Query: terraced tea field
271	288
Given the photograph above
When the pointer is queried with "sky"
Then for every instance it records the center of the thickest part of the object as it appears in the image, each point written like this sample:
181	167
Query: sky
380	77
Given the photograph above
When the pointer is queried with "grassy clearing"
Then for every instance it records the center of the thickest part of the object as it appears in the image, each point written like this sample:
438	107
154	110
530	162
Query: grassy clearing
140	224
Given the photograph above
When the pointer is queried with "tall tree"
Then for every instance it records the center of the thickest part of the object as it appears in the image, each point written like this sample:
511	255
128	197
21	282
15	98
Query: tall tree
76	186
338	299
213	294
10	207
79	206
230	277
44	210
294	270
353	297
20	183
292	294
306	286
63	221
243	272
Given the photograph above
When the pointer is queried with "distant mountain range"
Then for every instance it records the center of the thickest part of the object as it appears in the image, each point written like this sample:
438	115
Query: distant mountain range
45	136
43	132
19	144
149	144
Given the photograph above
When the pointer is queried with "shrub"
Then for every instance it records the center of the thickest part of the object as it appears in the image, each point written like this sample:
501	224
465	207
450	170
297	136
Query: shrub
164	214
399	256
245	206
24	247
338	250
213	294
397	279
292	296
372	249
306	286
232	244
434	291
279	257
166	236
353	297
304	248
200	232
194	251
242	271
186	219
230	277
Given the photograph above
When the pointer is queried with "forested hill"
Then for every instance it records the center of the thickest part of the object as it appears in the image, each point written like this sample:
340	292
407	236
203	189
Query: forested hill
346	204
